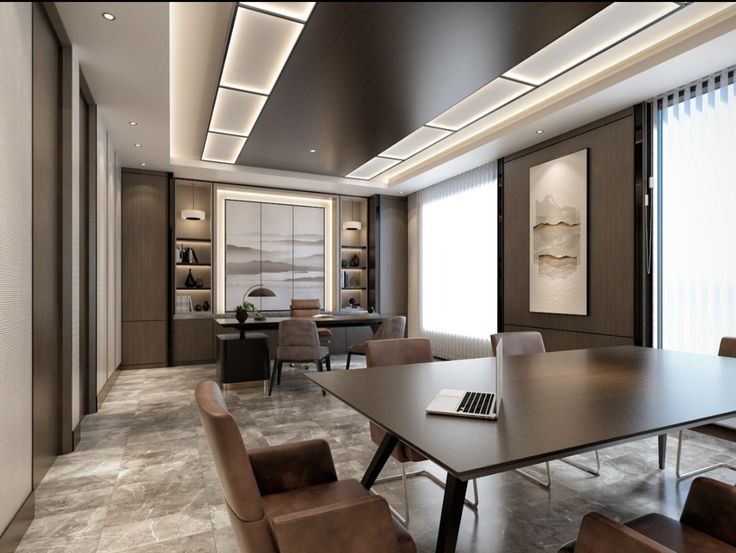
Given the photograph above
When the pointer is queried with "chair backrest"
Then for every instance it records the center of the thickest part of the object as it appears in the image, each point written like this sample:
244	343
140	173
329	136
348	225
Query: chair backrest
710	507
402	351
391	329
304	307
298	332
234	470
518	343
728	347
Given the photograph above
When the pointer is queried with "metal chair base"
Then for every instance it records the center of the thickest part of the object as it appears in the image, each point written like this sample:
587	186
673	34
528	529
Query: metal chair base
684	475
404	477
594	471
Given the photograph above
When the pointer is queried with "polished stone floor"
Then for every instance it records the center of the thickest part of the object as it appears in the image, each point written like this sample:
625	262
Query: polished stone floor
142	479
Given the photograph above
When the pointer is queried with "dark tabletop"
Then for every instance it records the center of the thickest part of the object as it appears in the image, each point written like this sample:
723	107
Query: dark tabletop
327	321
554	404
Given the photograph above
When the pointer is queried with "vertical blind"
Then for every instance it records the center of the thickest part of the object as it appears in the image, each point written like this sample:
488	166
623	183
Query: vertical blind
457	235
696	210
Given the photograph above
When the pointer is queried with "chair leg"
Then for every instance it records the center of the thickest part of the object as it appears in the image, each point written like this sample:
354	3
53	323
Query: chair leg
319	368
536	480
595	472
347	365
327	363
278	373
683	475
403	518
273	376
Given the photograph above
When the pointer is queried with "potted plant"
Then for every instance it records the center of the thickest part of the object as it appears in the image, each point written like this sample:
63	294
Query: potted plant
241	311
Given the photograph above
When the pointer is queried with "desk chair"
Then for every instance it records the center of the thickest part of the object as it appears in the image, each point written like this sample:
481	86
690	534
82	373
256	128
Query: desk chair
406	351
524	343
707	525
726	349
287	498
307	308
390	329
298	343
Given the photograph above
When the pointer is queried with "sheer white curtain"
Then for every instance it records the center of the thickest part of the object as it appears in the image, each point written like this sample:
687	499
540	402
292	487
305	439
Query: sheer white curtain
457	260
696	276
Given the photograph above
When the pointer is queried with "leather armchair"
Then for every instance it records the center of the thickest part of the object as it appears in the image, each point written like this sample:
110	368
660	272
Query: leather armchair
307	308
287	499
391	329
707	524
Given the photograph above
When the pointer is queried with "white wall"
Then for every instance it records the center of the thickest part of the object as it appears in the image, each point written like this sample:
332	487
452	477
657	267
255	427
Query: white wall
16	172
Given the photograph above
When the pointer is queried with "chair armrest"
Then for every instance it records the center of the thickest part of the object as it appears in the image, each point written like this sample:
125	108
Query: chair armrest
290	466
711	508
600	534
361	525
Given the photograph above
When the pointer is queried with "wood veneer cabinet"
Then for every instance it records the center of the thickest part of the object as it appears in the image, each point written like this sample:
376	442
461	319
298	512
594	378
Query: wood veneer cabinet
144	268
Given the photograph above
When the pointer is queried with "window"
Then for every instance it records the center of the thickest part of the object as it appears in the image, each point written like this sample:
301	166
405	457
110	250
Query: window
695	134
458	263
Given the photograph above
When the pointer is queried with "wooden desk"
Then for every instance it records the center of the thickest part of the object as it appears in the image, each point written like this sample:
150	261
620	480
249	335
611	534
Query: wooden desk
373	320
554	405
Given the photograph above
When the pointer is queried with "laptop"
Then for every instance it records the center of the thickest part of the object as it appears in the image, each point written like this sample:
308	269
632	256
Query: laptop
469	403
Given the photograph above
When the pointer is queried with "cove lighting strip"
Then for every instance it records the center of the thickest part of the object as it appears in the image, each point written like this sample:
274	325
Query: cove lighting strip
262	38
593	36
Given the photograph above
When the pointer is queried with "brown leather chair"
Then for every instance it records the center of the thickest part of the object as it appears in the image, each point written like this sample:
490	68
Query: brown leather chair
390	329
287	498
707	525
726	349
526	343
298	343
406	351
307	308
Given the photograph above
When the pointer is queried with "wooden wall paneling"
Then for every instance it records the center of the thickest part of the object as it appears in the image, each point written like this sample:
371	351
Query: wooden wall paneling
144	246
192	341
393	255
561	340
144	343
611	241
47	247
91	229
84	280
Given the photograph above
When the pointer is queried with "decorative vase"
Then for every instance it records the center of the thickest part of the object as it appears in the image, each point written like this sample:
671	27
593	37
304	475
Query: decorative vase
199	283
190	282
355	261
344	263
206	306
241	315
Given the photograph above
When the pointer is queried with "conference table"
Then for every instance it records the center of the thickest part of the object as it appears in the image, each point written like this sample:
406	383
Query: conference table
553	405
324	320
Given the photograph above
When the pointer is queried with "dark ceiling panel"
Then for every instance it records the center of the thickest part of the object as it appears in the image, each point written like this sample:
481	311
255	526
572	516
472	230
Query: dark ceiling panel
364	75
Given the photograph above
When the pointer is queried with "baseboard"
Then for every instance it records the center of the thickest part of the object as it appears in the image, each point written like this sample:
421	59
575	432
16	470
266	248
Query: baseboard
107	387
76	435
12	535
145	366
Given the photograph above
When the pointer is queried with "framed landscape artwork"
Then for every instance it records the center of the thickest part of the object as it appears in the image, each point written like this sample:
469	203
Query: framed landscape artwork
558	235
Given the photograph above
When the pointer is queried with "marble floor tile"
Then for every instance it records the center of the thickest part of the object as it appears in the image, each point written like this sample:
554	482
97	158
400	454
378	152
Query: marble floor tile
142	479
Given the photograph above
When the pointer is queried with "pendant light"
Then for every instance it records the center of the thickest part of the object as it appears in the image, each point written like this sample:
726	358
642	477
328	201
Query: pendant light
352	224
192	214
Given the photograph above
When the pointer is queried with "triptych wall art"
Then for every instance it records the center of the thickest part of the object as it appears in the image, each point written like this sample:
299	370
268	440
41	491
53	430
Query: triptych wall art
558	235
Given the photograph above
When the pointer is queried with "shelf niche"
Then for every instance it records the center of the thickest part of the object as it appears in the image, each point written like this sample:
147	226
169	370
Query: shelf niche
353	243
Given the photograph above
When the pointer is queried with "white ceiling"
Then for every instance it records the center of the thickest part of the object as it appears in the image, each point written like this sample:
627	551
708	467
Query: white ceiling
128	69
126	64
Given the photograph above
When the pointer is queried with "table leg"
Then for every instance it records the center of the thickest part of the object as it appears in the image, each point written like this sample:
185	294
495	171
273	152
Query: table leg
379	459
375	327
452	512
662	438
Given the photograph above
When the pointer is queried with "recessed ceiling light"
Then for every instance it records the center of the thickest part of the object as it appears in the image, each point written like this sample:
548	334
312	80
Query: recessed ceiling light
295	10
108	16
224	148
143	164
417	141
133	123
312	151
540	131
138	146
373	167
236	111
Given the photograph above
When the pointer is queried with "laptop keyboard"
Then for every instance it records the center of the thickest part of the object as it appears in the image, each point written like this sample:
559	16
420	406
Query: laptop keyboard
476	403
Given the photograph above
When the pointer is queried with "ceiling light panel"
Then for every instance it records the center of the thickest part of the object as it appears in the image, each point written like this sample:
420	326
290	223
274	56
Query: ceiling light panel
236	112
372	168
608	26
489	98
259	46
294	10
222	147
415	142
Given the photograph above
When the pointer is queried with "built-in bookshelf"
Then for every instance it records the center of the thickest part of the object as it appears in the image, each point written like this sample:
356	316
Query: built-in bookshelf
192	250
353	281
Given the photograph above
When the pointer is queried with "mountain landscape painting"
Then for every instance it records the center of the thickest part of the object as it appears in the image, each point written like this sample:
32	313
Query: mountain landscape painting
278	246
558	271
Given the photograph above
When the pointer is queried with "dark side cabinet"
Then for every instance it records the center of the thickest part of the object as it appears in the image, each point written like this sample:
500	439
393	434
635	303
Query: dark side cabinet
192	341
144	268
